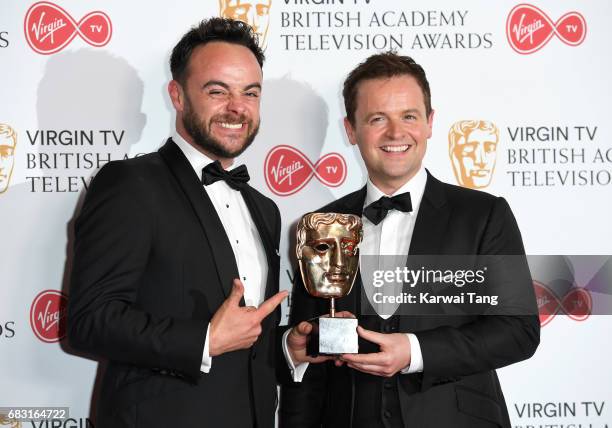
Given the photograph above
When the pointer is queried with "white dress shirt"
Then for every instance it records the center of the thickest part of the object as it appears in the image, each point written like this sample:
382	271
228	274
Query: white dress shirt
241	231
392	236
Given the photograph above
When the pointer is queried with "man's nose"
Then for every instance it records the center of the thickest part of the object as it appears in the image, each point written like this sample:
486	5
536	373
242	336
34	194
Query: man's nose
395	130
235	104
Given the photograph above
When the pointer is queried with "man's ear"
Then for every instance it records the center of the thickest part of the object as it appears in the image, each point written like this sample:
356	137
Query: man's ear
350	131
177	96
430	123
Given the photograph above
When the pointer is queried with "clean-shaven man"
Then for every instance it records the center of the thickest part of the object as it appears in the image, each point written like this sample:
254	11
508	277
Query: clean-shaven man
412	371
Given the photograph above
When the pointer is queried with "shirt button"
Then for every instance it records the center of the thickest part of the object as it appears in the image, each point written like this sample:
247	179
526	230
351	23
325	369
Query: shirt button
227	205
244	278
388	385
237	241
387	414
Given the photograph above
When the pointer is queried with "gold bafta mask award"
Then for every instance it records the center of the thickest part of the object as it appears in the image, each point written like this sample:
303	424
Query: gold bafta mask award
328	255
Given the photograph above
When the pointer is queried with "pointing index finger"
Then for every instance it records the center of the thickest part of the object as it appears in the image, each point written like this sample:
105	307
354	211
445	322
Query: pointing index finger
267	307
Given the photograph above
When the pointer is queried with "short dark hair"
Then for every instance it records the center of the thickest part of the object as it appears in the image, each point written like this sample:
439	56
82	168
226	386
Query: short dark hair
383	65
213	30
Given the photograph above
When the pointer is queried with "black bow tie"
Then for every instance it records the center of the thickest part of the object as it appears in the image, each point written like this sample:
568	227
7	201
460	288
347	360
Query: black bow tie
377	211
236	178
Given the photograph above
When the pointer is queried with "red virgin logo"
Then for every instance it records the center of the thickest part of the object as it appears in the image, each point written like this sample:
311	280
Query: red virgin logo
577	303
49	28
528	28
48	316
287	170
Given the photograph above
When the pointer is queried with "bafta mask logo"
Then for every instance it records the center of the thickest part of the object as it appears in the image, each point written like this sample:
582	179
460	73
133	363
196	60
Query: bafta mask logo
328	253
8	142
7	422
256	13
472	148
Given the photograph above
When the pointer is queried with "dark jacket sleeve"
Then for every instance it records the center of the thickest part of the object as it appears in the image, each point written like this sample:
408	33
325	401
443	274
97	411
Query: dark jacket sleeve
490	341
114	235
302	404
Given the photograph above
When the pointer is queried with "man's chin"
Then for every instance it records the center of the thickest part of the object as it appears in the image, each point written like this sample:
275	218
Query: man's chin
224	150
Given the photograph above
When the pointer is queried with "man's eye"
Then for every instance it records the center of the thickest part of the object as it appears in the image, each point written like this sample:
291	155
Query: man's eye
252	94
322	247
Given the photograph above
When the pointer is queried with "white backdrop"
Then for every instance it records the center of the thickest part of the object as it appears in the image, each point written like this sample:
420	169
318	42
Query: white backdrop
103	96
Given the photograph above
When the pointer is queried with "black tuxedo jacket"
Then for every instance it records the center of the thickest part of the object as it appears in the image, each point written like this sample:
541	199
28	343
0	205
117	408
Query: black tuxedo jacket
459	386
152	265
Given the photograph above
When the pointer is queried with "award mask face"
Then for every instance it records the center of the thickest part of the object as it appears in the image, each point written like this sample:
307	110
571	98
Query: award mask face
473	152
328	252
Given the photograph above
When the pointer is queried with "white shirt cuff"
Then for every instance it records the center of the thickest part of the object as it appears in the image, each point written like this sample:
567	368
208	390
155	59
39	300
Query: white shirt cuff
206	358
297	372
416	357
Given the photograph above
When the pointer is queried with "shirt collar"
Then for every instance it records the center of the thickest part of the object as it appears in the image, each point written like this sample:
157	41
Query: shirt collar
416	187
197	159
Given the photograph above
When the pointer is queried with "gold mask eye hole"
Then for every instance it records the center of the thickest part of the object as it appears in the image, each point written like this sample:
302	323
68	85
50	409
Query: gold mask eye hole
322	247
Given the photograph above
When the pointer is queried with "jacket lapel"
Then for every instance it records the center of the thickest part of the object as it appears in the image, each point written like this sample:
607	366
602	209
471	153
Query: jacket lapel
220	247
352	204
428	236
431	221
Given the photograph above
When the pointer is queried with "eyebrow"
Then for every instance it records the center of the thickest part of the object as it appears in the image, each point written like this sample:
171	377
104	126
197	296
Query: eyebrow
382	113
226	86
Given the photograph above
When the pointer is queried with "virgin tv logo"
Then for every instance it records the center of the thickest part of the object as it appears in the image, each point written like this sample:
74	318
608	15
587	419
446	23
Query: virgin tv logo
529	29
288	170
576	303
48	316
49	28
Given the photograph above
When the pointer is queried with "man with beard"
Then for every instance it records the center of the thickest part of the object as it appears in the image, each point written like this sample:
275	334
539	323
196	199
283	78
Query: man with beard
175	274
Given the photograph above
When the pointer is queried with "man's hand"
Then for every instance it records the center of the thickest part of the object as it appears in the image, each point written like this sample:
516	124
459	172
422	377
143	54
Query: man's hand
299	337
234	327
394	354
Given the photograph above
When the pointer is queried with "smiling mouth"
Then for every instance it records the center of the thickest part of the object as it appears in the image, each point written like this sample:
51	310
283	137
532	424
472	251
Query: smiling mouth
395	149
228	125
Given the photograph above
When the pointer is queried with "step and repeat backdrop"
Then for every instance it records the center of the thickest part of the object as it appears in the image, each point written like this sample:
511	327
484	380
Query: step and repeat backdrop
84	83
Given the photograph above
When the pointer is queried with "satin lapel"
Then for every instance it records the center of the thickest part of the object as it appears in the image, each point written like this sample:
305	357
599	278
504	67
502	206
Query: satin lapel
266	237
429	232
220	247
352	205
431	221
